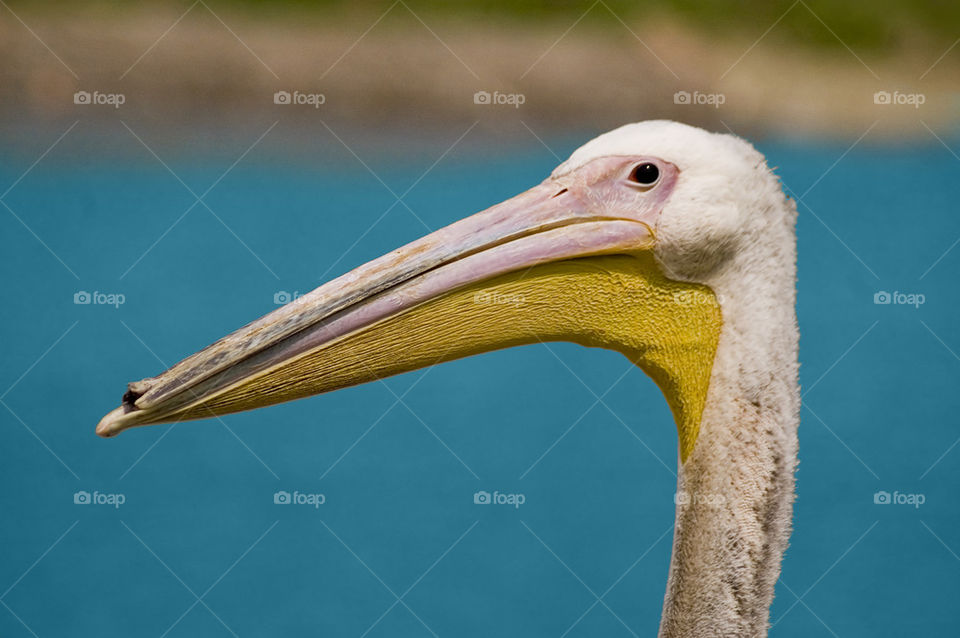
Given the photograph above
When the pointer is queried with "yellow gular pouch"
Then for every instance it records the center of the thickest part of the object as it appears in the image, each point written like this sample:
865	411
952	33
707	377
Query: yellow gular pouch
621	302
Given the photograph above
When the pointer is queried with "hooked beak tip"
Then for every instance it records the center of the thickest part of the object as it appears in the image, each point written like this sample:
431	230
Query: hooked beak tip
108	424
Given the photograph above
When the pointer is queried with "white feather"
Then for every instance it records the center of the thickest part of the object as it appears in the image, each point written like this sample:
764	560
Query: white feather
728	225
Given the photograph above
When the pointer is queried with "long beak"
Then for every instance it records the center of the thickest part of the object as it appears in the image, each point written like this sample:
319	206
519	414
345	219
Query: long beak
538	267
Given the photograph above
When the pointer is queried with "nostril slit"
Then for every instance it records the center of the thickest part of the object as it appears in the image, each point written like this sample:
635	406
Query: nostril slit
560	193
129	400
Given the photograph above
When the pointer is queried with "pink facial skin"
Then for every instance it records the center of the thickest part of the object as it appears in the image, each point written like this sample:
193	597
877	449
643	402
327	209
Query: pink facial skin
592	210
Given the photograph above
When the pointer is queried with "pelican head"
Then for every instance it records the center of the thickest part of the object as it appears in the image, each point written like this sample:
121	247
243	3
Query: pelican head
667	243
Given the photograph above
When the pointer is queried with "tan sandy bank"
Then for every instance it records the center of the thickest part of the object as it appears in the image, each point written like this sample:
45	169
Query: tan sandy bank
162	65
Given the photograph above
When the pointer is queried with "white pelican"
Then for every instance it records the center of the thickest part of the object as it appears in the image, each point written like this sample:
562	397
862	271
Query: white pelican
667	243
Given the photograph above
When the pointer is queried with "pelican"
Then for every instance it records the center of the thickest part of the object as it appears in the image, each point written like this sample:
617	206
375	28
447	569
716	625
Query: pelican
670	244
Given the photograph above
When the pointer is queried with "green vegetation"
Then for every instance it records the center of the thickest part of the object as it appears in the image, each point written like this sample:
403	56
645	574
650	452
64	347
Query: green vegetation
873	26
877	27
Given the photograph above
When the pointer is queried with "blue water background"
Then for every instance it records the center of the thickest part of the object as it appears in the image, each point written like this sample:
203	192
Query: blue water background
399	462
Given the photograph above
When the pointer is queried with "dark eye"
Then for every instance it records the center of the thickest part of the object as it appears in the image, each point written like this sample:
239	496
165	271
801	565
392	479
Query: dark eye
645	174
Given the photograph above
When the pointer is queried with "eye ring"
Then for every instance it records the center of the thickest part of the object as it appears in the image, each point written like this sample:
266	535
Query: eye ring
645	174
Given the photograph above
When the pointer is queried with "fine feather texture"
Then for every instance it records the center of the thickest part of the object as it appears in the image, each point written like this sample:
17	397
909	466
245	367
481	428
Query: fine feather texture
728	226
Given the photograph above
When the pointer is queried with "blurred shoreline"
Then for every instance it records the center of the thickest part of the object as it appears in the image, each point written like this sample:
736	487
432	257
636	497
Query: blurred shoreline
175	73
